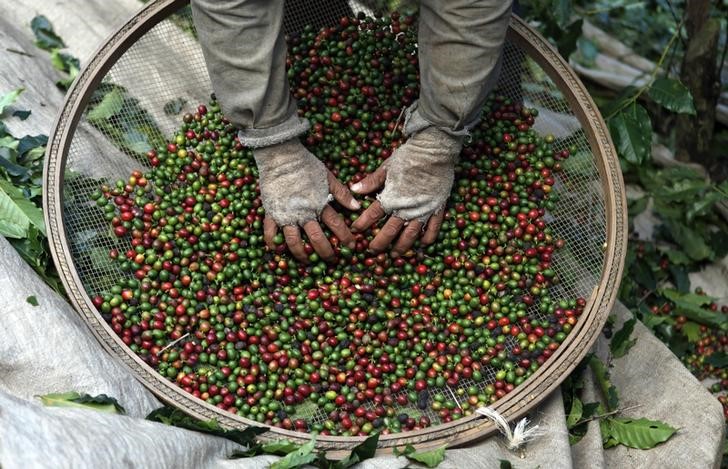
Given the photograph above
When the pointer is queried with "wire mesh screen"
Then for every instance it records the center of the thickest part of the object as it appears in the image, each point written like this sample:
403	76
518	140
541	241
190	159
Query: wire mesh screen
139	104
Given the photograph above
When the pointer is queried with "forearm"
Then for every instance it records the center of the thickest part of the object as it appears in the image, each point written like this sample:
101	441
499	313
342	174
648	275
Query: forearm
460	44
245	51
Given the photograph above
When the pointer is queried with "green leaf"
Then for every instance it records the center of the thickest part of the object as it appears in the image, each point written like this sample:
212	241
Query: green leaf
637	433
110	105
13	222
631	130
33	249
680	276
691	331
301	456
177	418
64	62
22	115
566	42
718	359
616	103
672	95
601	374
31	212
590	410
505	464
562	12
621	343
65	83
68	64
643	274
362	451
679	190
652	321
691	305
29	142
408	449
636	206
280	447
174	106
431	458
45	37
577	410
7	161
32	300
677	257
101	403
703	205
9	98
9	142
686	300
718	242
101	400
690	241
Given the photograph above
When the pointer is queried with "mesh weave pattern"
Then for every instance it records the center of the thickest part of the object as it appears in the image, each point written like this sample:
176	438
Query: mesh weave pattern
163	75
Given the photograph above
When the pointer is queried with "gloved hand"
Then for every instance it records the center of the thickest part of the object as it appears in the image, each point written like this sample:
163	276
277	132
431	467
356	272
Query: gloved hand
295	188
417	180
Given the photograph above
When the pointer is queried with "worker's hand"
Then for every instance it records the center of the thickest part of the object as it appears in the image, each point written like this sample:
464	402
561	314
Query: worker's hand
296	188
417	179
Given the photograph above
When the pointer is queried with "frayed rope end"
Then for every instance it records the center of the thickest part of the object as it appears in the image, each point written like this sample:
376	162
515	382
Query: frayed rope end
520	435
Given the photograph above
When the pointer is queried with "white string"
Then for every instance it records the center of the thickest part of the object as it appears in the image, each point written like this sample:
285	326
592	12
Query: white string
520	435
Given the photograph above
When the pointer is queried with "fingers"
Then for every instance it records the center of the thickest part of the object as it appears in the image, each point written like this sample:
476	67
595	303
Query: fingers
336	224
386	235
370	216
270	229
342	194
372	182
318	240
293	239
408	237
433	227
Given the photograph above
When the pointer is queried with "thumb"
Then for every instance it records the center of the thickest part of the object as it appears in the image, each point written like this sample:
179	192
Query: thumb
372	182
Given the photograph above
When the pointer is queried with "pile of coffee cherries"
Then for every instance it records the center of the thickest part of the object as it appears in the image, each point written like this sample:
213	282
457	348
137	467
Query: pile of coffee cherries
704	358
369	343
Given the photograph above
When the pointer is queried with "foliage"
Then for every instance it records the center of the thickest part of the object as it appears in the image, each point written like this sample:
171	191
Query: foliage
621	342
635	433
73	399
655	285
47	39
429	458
177	418
690	232
294	454
615	430
21	174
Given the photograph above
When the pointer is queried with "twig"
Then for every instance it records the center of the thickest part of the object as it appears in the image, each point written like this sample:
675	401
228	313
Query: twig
172	344
678	22
454	397
606	414
399	119
653	75
19	52
644	297
722	56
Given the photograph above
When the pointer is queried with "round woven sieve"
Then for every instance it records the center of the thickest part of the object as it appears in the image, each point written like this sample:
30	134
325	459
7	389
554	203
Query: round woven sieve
153	69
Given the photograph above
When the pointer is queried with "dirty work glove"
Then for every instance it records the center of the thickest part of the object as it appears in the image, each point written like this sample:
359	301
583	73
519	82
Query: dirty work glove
296	188
417	180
